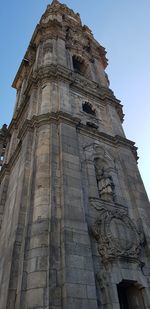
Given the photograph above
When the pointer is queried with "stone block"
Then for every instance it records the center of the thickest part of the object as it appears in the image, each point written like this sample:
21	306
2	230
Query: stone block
76	236
36	280
55	296
72	182
78	249
91	291
40	212
75	172
39	227
80	262
79	276
70	158
75	225
74	290
41	196
73	303
31	265
40	240
35	298
42	263
73	213
37	252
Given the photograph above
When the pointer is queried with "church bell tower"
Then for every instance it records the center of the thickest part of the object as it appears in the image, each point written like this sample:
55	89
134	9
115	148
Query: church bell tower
74	214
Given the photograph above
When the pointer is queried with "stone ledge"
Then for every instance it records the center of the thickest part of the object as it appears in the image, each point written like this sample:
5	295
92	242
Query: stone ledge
76	81
62	117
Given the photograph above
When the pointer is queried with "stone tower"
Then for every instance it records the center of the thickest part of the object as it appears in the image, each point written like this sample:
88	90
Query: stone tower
74	215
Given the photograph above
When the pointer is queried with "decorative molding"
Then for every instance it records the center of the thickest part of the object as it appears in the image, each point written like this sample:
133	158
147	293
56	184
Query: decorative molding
58	117
114	140
56	7
65	117
77	82
104	279
98	204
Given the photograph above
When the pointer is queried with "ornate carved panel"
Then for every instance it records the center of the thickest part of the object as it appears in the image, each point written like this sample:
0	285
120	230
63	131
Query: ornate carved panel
117	235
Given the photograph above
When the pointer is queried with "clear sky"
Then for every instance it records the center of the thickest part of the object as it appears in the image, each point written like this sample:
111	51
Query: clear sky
122	27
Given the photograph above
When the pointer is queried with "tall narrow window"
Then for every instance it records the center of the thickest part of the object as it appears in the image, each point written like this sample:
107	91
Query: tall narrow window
78	64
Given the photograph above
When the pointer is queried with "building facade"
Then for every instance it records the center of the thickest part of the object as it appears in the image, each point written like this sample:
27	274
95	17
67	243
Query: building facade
74	214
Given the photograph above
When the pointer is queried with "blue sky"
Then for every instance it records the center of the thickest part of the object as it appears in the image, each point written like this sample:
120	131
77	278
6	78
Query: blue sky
122	27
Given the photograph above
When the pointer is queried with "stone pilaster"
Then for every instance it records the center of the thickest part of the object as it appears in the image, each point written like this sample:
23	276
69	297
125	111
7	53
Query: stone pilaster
77	267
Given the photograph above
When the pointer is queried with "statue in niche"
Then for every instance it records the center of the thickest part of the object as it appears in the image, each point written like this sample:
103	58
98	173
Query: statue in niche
105	182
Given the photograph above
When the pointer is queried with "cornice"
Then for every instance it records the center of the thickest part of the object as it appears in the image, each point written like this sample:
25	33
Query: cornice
76	81
113	140
61	117
26	62
38	121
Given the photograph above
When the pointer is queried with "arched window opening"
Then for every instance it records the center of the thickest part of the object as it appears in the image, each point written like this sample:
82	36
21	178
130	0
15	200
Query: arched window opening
87	108
78	64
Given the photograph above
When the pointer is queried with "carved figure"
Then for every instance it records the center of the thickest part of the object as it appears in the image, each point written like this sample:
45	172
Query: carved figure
105	182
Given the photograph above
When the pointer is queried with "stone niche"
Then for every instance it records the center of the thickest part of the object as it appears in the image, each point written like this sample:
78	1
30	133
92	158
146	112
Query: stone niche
101	164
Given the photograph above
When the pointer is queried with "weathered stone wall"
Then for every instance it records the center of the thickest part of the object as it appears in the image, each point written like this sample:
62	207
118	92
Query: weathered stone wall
74	213
53	256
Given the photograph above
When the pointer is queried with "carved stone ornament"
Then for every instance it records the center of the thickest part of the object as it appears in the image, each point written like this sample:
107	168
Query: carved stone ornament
103	279
117	235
